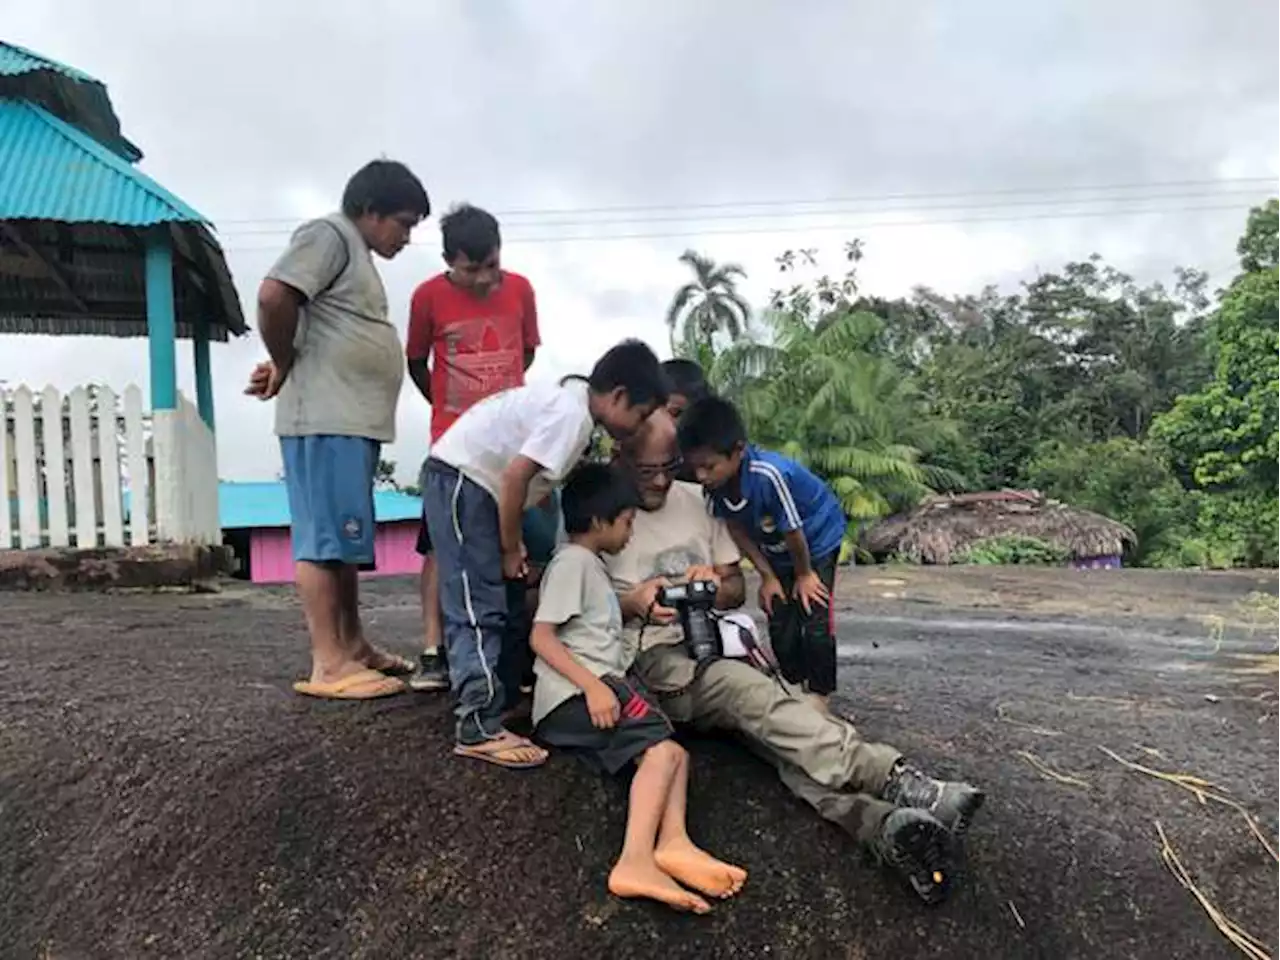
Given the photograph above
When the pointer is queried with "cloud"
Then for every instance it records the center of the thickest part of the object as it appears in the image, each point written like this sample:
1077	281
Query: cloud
256	114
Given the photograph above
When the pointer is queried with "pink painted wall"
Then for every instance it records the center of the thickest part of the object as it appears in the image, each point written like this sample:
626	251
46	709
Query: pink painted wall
271	558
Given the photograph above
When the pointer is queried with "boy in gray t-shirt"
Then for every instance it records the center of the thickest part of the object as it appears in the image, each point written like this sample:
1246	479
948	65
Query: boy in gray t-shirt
589	701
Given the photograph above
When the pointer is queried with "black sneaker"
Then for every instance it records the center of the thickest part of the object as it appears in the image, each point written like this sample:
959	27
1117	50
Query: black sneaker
432	673
951	803
920	850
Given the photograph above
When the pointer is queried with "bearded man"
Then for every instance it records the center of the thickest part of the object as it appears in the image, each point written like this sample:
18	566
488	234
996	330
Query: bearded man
910	821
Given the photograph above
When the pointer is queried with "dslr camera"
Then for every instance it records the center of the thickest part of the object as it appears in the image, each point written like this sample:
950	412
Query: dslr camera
694	601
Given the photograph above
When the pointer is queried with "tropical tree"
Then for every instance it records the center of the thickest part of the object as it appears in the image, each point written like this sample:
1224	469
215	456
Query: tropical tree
707	305
812	385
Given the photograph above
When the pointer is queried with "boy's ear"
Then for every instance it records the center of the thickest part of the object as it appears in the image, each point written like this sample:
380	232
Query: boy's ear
739	448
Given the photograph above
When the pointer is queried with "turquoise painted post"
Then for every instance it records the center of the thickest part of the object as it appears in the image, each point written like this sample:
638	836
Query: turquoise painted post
204	379
161	324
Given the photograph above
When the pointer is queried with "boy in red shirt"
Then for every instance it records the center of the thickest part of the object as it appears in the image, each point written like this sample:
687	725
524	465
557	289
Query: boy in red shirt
473	331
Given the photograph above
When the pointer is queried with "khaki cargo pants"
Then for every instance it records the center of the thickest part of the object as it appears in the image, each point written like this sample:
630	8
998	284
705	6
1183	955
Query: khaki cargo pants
820	758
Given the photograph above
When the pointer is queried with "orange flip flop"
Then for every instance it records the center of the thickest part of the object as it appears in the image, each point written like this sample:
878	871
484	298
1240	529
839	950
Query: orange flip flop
364	685
493	751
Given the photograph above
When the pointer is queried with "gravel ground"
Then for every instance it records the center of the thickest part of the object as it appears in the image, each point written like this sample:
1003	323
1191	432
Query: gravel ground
164	794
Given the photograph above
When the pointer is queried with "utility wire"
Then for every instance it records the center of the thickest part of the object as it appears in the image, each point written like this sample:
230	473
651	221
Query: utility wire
1268	182
853	227
794	214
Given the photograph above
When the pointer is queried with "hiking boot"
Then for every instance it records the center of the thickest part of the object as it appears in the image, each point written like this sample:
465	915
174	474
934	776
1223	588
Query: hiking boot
920	850
432	673
952	803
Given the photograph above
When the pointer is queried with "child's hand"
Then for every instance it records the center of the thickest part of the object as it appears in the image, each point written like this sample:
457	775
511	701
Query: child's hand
515	564
603	706
644	599
811	591
771	590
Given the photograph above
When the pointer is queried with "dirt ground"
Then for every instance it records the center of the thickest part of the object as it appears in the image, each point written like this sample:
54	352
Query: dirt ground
164	794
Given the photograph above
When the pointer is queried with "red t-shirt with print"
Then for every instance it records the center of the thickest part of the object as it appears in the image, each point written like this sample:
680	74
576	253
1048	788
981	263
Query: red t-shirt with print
476	345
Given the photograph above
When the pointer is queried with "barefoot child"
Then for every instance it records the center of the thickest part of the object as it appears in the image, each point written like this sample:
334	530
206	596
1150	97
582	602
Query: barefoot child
790	525
588	700
501	456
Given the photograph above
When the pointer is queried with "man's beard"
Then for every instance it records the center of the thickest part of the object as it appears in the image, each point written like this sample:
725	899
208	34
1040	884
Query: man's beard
652	502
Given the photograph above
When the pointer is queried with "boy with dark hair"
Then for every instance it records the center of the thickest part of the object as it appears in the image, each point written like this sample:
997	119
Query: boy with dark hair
589	701
335	373
473	331
499	458
686	382
788	523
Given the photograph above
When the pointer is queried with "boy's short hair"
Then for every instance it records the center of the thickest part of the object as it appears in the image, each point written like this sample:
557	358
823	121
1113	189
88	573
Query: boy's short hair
634	367
385	188
711	423
469	230
685	377
596	491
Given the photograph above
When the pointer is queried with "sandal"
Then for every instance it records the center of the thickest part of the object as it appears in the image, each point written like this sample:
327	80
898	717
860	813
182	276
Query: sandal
363	685
496	751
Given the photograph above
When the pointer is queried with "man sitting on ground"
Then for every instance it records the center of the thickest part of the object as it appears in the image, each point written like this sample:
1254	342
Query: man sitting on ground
909	820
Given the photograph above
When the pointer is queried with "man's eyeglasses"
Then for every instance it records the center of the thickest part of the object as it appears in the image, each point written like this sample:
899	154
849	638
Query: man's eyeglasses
651	471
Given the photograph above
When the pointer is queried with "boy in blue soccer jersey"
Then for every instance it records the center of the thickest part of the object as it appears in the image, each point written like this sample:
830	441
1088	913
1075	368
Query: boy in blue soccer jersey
790	525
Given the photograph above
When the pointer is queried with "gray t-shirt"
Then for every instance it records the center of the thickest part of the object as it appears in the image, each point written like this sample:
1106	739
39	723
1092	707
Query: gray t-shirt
578	600
349	364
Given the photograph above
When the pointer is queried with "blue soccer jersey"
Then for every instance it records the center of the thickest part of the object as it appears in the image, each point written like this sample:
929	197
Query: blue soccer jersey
778	495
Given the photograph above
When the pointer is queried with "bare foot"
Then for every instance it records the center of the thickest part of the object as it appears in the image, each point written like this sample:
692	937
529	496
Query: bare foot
328	673
375	658
641	878
698	869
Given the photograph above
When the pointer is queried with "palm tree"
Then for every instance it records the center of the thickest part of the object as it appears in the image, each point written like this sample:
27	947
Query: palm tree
816	391
708	304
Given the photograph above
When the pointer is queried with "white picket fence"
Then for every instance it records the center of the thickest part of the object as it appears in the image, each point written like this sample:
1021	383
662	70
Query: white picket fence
92	469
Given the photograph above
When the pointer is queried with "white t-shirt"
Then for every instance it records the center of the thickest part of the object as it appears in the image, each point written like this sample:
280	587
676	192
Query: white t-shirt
546	422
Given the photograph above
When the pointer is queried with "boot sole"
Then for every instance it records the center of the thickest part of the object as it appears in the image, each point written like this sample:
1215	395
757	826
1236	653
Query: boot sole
921	852
427	684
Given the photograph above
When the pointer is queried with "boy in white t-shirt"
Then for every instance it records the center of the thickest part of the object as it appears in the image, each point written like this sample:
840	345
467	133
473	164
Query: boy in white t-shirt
589	701
502	455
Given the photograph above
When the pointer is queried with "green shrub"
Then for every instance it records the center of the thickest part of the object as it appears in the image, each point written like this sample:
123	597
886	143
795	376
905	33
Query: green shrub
1003	551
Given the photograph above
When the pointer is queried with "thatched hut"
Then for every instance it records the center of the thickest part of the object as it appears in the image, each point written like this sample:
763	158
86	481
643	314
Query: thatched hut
941	528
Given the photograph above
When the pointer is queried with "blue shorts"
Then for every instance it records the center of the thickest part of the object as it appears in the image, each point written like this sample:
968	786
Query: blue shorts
330	485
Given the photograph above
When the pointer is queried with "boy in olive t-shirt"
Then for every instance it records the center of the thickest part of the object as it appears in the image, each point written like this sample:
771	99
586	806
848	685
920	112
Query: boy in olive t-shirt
588	700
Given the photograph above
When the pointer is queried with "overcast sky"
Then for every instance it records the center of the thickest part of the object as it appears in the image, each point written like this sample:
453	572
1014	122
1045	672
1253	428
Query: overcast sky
257	112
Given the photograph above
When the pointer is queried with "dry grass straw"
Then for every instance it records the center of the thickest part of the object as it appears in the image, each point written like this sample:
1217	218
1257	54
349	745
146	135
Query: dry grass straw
1202	790
1002	715
1045	770
1112	701
1017	916
1247	944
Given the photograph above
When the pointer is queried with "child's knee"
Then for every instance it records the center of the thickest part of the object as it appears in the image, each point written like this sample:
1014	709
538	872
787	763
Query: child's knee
668	751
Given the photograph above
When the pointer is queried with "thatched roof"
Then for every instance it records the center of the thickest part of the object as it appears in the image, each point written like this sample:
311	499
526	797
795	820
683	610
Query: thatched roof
942	527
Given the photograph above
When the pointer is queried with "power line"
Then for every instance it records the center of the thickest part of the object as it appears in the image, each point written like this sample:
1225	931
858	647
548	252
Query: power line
1269	181
844	227
790	214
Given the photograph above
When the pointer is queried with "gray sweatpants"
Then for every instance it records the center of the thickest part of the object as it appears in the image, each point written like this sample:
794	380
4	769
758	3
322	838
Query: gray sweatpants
820	758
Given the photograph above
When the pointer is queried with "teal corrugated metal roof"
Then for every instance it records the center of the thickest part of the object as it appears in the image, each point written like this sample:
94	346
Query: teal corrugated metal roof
53	171
15	61
242	506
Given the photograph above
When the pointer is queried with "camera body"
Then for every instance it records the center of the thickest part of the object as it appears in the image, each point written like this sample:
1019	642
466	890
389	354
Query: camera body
694	601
